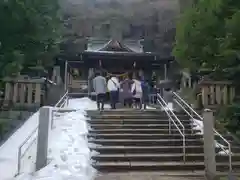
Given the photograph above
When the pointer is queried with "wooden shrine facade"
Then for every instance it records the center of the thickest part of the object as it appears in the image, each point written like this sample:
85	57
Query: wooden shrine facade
116	58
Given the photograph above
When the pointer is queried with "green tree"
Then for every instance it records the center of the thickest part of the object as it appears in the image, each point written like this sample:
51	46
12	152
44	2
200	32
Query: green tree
29	34
207	37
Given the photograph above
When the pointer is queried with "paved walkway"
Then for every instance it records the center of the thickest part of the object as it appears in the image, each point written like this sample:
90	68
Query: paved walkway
148	176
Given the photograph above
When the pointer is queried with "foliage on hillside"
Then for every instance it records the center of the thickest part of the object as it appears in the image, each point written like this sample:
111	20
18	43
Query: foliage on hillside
29	36
208	38
29	33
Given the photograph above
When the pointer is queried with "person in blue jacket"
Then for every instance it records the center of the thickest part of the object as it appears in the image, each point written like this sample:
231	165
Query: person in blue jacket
145	92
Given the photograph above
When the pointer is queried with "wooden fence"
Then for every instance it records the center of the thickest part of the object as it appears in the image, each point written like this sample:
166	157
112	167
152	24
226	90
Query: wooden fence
216	93
23	92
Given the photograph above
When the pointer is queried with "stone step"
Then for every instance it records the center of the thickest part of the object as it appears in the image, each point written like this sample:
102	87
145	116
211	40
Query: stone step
133	121
130	111
173	175
136	126
126	110
199	157
145	142
134	116
140	131
131	135
143	136
152	149
158	166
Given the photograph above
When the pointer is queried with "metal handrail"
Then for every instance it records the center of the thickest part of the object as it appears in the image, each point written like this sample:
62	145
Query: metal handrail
170	118
20	148
197	122
173	114
35	130
186	104
64	96
201	118
185	112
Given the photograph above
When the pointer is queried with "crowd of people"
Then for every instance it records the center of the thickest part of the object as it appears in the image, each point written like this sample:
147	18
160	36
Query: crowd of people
131	92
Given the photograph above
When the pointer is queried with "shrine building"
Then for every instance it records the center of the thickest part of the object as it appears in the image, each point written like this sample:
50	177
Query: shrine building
113	57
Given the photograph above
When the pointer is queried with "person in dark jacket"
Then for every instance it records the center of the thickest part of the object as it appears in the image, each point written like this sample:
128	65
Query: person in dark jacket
100	87
145	93
125	92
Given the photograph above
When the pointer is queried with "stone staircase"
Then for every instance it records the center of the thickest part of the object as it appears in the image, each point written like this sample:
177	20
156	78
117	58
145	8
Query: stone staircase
139	141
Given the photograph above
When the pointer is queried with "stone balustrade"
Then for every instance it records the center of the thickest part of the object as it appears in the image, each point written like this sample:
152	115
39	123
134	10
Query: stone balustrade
212	94
23	92
216	93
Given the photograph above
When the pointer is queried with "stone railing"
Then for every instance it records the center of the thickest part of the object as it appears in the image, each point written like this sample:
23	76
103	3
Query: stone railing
216	93
208	93
23	92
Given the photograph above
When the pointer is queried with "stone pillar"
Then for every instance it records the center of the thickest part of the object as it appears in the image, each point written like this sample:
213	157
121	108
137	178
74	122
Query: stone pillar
44	126
205	92
8	92
209	145
218	94
22	93
225	94
38	94
212	94
30	93
15	92
232	94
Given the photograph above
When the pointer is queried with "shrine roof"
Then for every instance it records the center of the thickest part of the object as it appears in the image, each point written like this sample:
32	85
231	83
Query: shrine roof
114	46
119	54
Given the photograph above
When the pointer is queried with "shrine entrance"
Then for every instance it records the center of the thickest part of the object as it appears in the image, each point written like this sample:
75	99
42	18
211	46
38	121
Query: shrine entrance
113	58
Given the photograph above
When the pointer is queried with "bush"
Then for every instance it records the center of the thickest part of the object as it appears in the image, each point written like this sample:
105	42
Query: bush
230	117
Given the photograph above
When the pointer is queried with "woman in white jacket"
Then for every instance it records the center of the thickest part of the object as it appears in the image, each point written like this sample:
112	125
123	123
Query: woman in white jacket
137	93
113	87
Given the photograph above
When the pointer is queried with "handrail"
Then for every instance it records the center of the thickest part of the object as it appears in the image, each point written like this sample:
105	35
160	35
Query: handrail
170	118
200	124
60	104
172	113
201	118
183	101
20	148
64	96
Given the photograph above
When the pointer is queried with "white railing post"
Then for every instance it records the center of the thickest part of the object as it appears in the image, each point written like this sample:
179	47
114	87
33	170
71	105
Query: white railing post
209	144
43	133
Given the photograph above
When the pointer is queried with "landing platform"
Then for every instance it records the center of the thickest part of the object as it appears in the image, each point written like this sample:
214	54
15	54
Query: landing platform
152	176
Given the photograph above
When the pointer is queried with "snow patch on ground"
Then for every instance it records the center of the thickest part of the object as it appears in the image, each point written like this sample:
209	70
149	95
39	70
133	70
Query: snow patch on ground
69	155
198	125
169	107
149	107
9	150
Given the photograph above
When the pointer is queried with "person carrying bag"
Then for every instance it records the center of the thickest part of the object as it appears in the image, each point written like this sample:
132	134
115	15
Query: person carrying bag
137	93
113	87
